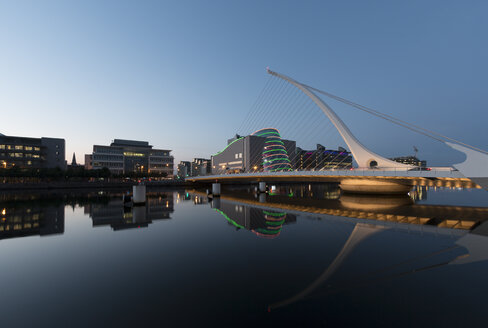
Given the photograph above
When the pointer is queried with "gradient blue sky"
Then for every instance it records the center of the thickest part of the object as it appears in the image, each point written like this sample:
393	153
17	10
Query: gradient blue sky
183	74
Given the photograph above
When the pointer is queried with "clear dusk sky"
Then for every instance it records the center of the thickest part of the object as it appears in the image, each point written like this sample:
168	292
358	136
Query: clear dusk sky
183	74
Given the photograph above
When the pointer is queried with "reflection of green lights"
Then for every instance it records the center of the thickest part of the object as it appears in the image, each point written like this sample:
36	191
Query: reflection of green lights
229	219
268	232
275	223
274	213
290	194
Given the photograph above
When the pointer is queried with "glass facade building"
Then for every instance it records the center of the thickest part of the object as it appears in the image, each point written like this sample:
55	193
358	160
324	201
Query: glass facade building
130	156
274	153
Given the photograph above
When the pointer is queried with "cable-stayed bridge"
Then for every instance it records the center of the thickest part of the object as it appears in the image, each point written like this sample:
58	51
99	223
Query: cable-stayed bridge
270	158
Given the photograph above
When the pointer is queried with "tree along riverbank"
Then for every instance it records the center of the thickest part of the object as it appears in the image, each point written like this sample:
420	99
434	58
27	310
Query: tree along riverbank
104	184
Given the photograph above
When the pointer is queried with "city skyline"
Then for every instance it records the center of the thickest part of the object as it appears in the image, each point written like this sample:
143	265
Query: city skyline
92	72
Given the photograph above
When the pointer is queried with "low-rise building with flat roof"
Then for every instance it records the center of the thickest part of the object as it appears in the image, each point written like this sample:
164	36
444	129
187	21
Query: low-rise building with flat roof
131	156
26	152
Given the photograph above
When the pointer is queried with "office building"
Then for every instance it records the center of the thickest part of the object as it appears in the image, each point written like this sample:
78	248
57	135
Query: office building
88	162
323	159
411	160
26	152
130	156
200	166
263	150
184	169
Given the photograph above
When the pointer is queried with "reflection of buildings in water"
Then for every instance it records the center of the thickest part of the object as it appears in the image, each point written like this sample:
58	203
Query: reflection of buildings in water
114	213
182	196
274	222
199	200
418	193
266	224
311	190
24	219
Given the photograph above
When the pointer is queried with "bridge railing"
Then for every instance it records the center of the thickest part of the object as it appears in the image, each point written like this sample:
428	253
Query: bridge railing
437	172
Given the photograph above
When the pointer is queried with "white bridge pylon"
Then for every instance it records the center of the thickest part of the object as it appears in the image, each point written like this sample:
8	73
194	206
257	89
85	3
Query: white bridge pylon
364	157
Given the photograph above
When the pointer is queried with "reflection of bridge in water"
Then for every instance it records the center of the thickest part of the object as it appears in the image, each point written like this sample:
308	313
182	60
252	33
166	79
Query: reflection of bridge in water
368	217
378	210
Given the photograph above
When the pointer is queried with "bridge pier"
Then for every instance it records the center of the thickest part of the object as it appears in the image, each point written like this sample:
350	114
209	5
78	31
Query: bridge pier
215	189
262	186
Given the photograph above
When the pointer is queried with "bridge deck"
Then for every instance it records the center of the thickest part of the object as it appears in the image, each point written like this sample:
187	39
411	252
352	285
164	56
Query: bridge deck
441	177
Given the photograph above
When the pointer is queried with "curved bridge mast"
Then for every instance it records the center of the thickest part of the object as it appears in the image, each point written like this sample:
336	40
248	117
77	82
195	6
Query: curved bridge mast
364	157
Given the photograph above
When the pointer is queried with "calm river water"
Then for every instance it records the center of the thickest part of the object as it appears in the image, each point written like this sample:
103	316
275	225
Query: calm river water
302	255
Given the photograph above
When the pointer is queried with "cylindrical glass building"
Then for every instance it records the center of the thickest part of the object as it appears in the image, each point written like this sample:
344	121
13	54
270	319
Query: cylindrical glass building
275	156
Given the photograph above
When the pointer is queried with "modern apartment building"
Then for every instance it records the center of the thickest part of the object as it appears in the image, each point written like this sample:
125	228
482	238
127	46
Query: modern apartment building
200	166
323	159
131	156
26	152
184	169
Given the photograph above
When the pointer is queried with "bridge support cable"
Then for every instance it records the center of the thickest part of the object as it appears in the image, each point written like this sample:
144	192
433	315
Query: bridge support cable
289	110
267	97
256	102
272	94
364	157
415	128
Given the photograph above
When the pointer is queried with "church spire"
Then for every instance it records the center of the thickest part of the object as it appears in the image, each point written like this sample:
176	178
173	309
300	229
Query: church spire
73	161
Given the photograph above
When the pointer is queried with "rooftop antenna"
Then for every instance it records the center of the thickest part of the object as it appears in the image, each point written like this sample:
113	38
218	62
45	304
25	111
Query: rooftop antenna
415	150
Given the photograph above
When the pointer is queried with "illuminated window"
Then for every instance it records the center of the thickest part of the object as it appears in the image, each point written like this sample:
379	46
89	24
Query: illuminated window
27	155
2	146
11	155
131	154
37	148
35	156
9	147
240	155
19	147
29	163
19	155
28	148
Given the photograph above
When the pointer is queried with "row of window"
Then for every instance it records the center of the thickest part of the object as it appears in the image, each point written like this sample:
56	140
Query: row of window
107	150
20	147
159	159
107	164
108	157
159	165
239	155
19	155
159	154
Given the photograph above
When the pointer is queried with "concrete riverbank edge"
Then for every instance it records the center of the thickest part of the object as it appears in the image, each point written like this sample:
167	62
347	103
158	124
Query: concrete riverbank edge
87	185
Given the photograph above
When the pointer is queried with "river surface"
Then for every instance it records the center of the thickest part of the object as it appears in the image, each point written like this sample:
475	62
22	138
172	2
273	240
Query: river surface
302	255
